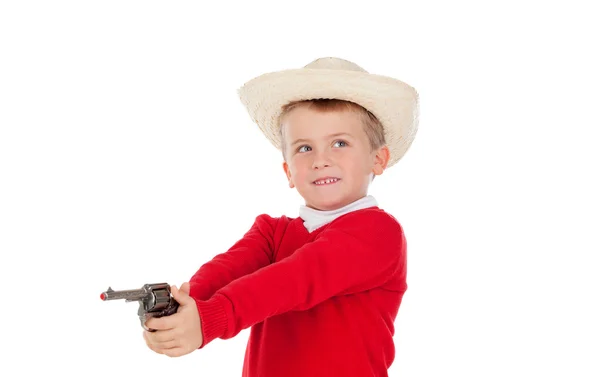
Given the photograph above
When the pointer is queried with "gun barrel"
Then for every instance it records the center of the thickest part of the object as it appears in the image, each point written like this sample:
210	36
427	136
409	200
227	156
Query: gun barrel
129	295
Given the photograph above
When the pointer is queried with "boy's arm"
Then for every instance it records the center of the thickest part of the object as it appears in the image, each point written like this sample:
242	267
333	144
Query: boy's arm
252	252
357	252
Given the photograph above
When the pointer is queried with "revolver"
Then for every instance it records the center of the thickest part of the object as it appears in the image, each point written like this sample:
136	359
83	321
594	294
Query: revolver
155	300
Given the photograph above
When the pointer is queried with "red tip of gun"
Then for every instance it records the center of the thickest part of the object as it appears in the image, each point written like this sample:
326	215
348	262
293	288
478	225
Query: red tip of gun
102	296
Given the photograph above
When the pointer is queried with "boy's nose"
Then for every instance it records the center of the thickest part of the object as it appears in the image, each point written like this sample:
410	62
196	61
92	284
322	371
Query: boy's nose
321	161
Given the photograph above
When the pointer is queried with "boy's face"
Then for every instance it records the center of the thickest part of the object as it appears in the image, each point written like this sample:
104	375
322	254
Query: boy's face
333	146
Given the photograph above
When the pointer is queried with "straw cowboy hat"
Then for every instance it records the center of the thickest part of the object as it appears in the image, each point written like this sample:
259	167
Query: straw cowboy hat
393	102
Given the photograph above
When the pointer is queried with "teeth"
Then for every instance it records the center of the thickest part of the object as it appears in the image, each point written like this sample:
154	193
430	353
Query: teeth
325	181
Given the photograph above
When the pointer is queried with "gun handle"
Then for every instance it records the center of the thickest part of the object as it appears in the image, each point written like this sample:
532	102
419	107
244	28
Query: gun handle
144	316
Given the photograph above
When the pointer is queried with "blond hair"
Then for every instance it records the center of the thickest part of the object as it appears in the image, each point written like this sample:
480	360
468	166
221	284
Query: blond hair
371	125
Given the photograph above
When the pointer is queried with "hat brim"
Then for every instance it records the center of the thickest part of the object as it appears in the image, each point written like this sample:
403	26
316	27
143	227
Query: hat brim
393	102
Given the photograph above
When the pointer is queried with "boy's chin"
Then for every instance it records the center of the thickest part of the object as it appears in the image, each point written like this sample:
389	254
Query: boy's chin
325	205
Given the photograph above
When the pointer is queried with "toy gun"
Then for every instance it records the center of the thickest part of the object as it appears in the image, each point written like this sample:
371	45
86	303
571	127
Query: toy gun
155	300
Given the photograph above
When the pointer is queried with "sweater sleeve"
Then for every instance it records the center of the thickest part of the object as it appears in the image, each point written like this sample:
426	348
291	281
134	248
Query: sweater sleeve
356	252
252	252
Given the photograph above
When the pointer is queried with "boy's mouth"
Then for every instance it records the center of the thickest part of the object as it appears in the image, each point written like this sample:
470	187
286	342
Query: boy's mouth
326	181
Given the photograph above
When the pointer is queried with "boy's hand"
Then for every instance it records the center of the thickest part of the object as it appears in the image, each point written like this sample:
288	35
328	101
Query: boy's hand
179	333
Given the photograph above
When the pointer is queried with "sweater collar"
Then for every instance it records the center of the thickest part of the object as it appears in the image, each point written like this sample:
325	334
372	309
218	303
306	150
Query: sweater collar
314	219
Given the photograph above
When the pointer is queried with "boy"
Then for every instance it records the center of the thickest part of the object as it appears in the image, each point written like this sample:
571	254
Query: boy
320	291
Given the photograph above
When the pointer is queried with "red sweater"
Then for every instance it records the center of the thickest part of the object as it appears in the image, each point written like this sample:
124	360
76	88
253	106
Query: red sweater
319	304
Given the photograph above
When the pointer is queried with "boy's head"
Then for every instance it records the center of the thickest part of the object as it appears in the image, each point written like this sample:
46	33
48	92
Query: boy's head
334	139
332	150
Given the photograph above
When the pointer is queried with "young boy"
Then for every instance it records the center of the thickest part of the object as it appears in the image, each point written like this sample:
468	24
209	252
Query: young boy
320	291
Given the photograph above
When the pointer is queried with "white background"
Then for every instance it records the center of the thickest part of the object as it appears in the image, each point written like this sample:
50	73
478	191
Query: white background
126	158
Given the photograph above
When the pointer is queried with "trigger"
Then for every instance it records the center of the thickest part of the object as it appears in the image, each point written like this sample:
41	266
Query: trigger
143	321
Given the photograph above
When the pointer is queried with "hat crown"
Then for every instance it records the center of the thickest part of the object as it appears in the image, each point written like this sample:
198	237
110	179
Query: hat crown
334	63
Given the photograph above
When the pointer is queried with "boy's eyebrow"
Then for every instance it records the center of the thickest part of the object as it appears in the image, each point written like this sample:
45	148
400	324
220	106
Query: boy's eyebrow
341	134
330	136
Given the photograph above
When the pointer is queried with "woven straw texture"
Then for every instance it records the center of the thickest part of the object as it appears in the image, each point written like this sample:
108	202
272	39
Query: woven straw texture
393	102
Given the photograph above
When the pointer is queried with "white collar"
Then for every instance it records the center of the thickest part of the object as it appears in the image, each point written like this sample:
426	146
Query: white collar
314	219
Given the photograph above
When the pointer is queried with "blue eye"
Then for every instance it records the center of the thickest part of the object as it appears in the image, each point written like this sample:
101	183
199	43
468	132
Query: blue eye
340	142
302	147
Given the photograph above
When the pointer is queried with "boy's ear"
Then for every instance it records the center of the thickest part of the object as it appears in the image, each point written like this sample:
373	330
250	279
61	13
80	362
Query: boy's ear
288	173
382	157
